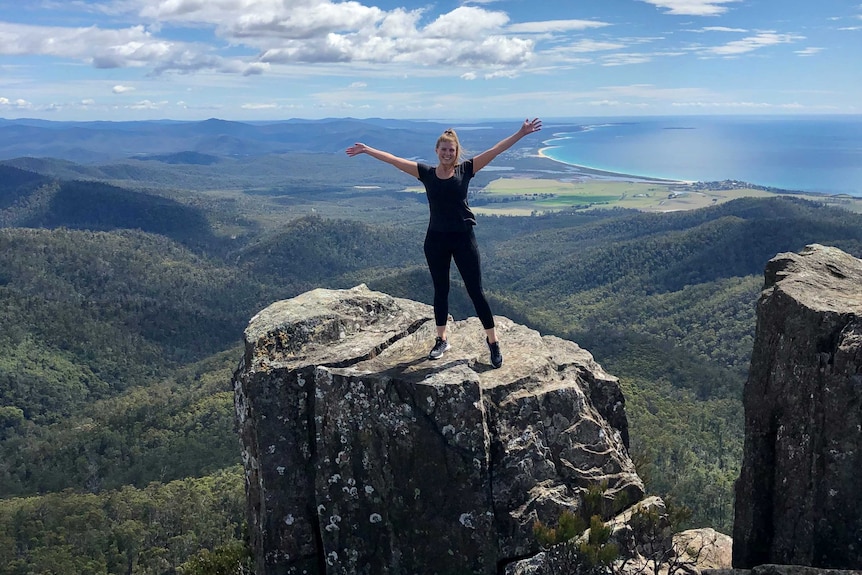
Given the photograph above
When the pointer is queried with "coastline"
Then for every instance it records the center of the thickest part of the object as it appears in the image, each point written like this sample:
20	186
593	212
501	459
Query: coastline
817	155
604	174
597	174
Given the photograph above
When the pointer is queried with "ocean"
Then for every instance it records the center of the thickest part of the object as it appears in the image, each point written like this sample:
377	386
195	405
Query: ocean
801	153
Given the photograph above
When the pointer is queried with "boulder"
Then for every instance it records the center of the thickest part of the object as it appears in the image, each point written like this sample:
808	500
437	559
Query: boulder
703	549
363	456
644	545
798	500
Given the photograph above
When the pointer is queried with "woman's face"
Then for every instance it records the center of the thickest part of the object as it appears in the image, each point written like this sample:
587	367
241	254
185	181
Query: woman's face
447	153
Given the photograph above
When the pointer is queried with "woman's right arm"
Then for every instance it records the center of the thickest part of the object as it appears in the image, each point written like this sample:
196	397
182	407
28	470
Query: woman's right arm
406	166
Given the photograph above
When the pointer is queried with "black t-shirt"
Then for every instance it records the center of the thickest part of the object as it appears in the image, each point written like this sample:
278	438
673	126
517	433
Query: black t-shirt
447	199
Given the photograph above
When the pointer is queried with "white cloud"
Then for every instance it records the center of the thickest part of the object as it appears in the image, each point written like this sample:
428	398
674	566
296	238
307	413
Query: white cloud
626	59
81	43
492	50
19	103
617	104
259	106
132	47
399	23
744	105
253	20
465	23
501	74
147	105
720	29
592	46
574	52
302	20
322	31
299	32
692	7
120	89
253	69
555	26
761	40
357	85
810	51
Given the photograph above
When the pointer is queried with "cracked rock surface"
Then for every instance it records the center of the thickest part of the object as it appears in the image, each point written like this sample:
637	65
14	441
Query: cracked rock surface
363	456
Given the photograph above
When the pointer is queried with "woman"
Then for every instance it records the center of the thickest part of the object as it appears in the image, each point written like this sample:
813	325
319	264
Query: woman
450	228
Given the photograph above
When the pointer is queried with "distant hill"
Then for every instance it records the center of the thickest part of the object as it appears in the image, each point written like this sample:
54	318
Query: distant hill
30	200
325	249
194	158
273	174
96	142
16	184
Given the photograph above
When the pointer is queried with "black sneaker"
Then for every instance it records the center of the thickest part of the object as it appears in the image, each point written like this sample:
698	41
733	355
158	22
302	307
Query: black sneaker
496	354
441	346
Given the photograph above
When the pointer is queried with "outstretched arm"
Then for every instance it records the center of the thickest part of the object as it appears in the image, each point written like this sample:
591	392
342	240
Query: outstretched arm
406	166
483	159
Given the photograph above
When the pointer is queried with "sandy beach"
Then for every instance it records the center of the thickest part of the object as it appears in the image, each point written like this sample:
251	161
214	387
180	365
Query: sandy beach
603	174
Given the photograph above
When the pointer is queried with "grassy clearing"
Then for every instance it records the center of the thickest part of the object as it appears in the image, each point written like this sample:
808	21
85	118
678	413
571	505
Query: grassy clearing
523	196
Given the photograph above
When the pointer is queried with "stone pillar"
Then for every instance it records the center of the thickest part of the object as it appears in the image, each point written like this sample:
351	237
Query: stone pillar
798	497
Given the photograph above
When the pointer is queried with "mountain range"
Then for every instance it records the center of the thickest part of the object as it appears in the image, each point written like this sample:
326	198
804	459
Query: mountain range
89	142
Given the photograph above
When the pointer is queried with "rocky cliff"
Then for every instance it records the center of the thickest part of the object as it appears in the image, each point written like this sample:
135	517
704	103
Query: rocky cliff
798	499
362	456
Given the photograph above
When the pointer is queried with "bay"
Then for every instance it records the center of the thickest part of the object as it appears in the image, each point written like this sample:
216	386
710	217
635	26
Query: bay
820	154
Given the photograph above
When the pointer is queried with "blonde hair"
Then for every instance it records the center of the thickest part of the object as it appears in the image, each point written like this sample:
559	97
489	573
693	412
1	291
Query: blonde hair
449	135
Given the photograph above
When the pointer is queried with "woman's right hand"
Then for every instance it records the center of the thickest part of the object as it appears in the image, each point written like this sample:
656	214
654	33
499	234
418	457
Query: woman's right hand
356	149
406	166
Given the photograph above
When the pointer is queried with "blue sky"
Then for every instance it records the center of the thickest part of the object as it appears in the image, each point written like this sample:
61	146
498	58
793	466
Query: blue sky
479	59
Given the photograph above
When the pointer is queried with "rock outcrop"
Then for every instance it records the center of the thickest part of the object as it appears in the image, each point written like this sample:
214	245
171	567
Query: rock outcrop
798	498
362	456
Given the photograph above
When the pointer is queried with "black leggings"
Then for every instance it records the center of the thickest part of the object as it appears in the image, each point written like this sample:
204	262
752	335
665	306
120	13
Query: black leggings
440	249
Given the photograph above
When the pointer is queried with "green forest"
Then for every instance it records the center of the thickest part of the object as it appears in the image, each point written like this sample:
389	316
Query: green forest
124	300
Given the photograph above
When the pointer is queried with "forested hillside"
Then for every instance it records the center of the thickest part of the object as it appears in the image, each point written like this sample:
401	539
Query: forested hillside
122	327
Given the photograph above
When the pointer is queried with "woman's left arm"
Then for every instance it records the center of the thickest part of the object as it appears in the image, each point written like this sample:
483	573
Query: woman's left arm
483	159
